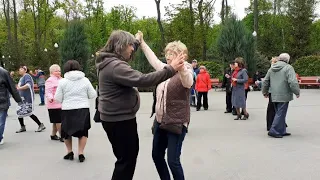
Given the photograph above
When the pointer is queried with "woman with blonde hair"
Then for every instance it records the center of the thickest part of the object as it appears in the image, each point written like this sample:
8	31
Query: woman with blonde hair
172	108
119	100
54	107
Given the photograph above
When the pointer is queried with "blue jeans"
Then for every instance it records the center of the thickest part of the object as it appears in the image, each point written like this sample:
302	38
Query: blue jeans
3	118
161	141
279	122
41	93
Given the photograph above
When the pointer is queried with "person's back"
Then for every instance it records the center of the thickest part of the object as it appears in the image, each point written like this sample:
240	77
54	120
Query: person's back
283	82
75	91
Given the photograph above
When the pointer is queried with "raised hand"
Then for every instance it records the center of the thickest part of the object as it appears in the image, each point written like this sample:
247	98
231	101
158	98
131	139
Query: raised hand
178	62
139	36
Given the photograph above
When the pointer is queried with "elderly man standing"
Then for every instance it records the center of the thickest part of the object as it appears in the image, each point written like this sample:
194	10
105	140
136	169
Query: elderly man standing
281	78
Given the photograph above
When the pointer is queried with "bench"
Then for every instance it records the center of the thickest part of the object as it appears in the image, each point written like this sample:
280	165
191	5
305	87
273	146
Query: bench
309	81
215	83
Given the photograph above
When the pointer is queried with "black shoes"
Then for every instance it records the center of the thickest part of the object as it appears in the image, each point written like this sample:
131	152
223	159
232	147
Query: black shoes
274	135
287	134
55	138
81	158
238	117
245	117
69	156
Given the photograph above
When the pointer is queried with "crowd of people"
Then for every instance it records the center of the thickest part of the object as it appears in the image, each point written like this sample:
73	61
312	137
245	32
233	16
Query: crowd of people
178	86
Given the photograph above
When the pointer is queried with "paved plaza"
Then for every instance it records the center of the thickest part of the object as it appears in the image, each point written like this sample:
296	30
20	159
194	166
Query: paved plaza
216	147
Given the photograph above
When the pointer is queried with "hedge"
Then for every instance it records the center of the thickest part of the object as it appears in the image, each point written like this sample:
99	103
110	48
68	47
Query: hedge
215	69
307	66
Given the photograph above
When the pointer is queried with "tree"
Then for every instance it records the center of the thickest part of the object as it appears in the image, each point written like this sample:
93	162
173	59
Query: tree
236	41
301	15
160	23
74	45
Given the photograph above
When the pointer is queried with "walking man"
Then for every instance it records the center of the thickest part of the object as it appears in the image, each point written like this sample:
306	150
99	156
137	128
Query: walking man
6	86
281	79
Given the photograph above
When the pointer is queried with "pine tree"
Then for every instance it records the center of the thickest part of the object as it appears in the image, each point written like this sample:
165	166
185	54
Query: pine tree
74	45
301	15
236	41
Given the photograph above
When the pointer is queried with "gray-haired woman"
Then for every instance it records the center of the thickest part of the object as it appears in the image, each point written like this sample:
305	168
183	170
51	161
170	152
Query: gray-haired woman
118	99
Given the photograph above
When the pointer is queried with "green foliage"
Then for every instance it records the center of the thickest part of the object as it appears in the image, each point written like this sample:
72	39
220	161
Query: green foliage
301	14
263	63
314	46
215	69
74	45
308	66
236	41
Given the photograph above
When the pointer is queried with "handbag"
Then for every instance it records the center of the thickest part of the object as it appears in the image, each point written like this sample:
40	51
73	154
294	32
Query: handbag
25	109
96	117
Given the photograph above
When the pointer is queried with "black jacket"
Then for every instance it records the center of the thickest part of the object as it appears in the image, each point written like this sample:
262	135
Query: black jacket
226	83
7	86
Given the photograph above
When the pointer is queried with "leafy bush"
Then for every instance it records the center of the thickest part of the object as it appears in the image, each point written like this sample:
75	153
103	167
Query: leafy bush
215	69
263	63
307	66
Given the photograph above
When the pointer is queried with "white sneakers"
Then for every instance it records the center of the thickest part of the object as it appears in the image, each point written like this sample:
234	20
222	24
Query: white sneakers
1	142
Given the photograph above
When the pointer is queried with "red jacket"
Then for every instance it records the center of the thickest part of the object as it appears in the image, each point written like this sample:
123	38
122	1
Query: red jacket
203	83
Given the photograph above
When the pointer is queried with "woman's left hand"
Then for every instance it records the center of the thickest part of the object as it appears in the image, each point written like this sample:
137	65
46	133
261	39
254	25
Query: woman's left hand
234	79
139	36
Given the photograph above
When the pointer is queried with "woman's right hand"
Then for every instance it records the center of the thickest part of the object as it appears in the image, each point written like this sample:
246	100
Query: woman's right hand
178	62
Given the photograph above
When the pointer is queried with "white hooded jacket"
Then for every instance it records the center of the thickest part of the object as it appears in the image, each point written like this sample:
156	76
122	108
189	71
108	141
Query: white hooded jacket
74	91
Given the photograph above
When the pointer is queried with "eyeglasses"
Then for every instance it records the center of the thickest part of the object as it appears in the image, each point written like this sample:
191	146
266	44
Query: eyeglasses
170	54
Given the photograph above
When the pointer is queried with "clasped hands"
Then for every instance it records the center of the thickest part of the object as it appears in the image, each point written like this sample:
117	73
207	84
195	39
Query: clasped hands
177	62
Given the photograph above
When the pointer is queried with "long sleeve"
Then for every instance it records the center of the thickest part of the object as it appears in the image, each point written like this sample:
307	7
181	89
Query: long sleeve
197	83
91	91
12	89
59	92
208	81
49	89
124	75
186	75
266	84
244	78
152	58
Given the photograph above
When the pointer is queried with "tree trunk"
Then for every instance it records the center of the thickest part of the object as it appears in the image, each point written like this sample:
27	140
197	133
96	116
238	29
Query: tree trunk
222	12
15	16
275	7
6	10
227	9
160	24
256	16
203	31
192	21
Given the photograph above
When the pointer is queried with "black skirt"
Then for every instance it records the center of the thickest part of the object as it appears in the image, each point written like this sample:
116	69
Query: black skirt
55	115
75	123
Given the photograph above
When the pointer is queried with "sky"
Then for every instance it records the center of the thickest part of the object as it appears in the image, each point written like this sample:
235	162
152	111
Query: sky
148	8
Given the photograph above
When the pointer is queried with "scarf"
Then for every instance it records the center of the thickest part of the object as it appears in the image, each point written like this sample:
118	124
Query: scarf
235	75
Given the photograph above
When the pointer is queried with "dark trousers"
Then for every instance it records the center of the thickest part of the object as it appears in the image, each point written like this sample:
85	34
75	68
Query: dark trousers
205	100
124	139
33	117
278	126
41	93
270	113
228	101
163	140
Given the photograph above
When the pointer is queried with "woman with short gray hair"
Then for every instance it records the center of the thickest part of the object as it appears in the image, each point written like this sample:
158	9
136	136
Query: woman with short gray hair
119	101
